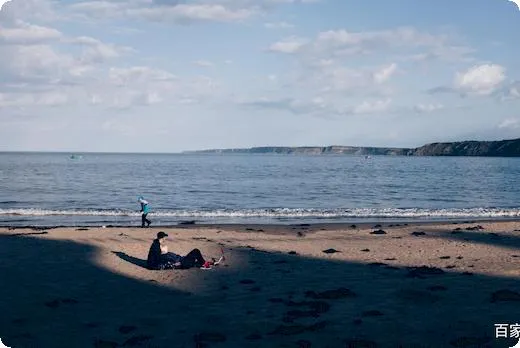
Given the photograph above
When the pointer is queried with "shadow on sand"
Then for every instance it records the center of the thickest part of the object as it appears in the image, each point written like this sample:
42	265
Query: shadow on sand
56	294
133	260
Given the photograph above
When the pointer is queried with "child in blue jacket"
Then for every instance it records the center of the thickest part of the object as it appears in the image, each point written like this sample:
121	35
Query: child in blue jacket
145	209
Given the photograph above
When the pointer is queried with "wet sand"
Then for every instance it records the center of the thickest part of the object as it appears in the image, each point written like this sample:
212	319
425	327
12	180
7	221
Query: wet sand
416	285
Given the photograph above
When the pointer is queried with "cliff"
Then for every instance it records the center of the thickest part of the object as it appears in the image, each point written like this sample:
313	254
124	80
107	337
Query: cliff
502	148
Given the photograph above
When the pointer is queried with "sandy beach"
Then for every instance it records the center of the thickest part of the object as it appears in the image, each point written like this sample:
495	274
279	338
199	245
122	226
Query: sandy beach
416	285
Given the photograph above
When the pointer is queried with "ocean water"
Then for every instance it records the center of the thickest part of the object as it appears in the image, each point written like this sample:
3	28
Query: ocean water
49	189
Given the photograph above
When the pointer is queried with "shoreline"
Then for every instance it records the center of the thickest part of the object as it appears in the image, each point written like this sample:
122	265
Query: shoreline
192	224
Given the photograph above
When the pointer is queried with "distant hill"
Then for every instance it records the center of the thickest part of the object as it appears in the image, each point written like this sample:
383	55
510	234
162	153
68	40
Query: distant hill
502	148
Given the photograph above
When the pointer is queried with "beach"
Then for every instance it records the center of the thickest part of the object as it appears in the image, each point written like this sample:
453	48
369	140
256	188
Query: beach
302	285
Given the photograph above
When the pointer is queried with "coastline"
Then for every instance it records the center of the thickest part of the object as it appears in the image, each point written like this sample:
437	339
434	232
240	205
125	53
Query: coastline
193	224
428	285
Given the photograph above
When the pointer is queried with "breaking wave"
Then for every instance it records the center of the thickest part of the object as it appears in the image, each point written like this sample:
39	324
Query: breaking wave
284	213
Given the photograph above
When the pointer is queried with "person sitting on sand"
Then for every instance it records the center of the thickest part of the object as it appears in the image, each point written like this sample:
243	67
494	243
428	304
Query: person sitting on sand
145	209
159	258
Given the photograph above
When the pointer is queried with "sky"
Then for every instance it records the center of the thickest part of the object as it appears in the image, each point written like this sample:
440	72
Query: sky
174	75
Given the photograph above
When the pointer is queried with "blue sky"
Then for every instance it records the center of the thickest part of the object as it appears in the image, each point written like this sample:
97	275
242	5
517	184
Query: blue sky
173	75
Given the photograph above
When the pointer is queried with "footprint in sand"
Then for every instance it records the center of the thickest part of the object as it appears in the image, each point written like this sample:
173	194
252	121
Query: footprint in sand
377	264
253	337
417	296
445	257
137	340
125	329
331	251
357	343
19	321
505	295
56	303
209	337
470	342
292	253
331	294
474	228
92	325
365	250
105	344
247	281
416	234
378	232
372	313
303	344
287	330
424	271
279	262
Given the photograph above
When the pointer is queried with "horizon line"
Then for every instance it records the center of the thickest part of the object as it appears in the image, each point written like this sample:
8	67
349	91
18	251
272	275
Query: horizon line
238	148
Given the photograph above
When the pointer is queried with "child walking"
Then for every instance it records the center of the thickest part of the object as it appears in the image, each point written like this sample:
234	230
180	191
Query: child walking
145	209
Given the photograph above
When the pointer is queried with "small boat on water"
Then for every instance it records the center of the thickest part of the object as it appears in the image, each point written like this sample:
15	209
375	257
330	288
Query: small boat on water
75	157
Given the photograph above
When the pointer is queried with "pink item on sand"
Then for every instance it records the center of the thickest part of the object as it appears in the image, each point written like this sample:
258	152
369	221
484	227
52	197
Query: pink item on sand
206	264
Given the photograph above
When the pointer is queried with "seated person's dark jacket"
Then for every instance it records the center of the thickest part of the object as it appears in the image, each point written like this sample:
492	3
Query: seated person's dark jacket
158	261
154	255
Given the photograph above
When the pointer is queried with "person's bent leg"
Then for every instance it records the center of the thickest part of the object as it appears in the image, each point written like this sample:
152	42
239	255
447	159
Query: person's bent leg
143	220
194	258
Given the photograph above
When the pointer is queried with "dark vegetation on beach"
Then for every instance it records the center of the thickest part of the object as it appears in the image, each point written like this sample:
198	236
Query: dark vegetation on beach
501	148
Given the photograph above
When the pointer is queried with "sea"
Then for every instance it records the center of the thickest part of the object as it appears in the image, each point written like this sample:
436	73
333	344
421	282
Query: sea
94	189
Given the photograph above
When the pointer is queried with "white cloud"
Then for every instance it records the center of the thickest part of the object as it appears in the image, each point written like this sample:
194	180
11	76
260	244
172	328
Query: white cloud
510	123
510	92
480	80
340	43
370	107
26	34
319	106
138	75
203	63
24	100
385	73
208	12
278	25
289	45
332	77
96	51
176	11
426	108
